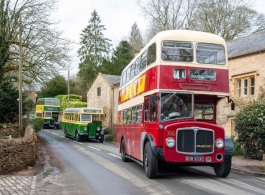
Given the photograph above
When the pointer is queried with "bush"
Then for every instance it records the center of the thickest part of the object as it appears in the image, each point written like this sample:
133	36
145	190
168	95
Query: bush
36	124
110	138
237	147
250	126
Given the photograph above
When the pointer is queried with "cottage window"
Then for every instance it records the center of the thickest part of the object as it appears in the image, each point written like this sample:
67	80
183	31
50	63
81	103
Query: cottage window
244	85
99	91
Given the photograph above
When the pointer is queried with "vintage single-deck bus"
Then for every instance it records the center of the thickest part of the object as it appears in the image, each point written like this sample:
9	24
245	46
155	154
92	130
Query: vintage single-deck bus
168	102
48	109
83	122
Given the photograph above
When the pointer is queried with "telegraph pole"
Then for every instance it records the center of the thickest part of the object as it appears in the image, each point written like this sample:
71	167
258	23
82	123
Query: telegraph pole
68	88
20	78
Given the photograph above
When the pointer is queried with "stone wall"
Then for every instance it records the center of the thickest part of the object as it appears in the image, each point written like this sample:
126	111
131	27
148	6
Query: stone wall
108	100
253	63
18	153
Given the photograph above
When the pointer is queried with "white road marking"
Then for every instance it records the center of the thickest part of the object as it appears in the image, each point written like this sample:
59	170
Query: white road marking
79	142
247	186
114	155
94	148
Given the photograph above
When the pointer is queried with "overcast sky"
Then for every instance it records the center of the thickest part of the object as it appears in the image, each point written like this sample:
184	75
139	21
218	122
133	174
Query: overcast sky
118	17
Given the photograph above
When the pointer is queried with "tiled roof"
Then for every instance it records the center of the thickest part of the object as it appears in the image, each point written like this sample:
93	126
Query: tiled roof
246	45
112	79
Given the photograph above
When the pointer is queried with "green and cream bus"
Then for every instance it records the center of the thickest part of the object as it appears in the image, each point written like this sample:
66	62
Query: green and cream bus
83	123
49	110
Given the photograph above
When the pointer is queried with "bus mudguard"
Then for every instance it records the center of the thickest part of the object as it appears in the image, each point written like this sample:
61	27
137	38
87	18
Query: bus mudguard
158	151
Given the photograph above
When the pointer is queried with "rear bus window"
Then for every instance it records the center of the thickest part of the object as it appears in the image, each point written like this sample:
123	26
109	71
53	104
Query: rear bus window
175	51
207	53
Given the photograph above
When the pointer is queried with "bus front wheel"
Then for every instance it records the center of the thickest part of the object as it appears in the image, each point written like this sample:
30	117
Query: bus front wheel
150	162
223	169
101	139
65	133
77	137
123	154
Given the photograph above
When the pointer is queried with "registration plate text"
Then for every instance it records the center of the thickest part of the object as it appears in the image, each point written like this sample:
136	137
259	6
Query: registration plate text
195	158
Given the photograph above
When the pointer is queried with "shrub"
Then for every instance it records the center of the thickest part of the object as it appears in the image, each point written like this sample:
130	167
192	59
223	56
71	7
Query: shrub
250	126
237	147
110	138
36	124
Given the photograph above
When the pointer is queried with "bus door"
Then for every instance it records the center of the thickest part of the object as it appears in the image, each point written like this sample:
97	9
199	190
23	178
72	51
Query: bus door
151	116
135	130
55	115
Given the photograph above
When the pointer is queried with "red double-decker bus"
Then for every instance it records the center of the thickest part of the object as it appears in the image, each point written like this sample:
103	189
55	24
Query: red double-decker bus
168	100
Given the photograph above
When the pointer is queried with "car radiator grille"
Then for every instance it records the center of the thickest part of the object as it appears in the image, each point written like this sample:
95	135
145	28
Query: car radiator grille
195	140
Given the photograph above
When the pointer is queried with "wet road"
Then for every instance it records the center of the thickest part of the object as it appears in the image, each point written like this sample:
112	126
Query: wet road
96	168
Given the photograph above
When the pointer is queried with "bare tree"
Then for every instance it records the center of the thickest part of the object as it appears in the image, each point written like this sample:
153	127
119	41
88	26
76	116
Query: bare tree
135	38
45	51
189	9
227	18
162	15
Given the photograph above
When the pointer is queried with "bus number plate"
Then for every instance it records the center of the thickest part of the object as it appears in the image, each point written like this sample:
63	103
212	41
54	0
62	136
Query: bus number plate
195	158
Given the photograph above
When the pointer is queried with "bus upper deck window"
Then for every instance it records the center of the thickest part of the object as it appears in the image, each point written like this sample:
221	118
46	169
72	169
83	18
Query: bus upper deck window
151	57
48	102
207	53
128	74
55	103
176	51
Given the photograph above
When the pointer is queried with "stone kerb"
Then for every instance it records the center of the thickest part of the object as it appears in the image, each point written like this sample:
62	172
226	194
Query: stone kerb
18	153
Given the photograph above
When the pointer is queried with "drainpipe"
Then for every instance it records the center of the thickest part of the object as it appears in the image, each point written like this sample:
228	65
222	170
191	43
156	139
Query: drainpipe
112	107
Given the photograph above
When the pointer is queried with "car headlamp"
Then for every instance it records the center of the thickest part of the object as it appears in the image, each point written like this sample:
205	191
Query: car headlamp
219	143
170	142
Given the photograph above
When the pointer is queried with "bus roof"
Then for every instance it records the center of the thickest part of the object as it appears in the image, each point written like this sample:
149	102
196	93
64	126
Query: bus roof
188	35
85	110
181	35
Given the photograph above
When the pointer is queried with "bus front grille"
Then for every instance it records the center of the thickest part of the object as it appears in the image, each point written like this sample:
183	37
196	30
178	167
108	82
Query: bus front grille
195	140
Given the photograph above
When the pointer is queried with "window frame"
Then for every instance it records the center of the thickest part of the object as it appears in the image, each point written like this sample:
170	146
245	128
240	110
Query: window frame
207	48
180	49
99	91
240	90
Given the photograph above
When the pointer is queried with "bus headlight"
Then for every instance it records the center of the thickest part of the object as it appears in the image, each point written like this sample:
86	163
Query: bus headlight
98	128
219	143
170	142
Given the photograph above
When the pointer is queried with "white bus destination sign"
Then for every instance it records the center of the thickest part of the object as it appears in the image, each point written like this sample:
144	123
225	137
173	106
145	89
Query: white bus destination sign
203	75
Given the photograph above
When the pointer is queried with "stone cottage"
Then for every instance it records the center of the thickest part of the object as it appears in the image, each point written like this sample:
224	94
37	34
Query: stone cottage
246	56
104	94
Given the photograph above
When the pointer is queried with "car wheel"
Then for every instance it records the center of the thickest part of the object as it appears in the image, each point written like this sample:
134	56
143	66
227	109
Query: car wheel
223	169
101	140
65	132
77	137
150	162
123	153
